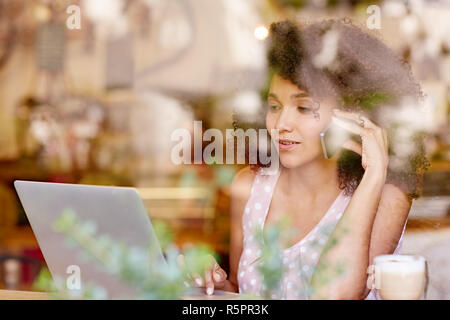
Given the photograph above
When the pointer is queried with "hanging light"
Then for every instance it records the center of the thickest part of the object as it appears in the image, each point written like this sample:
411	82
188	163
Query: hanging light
107	15
42	13
261	32
394	9
100	11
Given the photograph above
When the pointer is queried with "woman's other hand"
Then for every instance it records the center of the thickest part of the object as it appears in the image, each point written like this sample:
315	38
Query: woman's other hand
213	278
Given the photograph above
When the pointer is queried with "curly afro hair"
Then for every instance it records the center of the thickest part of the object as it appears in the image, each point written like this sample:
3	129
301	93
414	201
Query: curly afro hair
364	75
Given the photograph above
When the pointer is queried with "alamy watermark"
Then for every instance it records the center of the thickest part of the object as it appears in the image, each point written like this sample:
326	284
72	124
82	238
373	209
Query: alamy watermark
374	20
73	281
258	146
74	20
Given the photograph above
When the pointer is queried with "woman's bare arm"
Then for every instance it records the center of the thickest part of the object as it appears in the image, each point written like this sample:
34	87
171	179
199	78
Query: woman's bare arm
348	247
341	270
240	192
391	216
390	219
353	249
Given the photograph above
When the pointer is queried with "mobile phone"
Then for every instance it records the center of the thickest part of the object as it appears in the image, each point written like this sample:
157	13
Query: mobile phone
333	138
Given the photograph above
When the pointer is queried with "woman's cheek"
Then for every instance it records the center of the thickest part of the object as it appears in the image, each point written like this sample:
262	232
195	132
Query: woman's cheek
313	129
311	136
270	123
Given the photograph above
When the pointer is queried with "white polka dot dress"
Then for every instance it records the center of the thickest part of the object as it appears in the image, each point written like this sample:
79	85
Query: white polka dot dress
298	261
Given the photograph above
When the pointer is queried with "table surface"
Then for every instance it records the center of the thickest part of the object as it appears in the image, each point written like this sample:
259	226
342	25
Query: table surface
23	295
31	295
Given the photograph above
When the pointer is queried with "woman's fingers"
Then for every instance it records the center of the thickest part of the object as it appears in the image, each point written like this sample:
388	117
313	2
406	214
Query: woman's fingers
358	118
198	280
374	148
182	264
341	119
353	146
209	282
360	124
219	274
350	126
214	276
195	278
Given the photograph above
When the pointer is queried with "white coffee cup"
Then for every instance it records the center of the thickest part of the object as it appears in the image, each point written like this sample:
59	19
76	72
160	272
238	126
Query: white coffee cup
399	277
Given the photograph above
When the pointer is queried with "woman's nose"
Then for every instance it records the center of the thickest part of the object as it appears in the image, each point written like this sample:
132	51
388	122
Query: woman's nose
284	121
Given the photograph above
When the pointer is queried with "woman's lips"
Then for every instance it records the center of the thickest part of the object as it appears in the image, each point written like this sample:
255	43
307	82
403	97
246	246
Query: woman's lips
287	144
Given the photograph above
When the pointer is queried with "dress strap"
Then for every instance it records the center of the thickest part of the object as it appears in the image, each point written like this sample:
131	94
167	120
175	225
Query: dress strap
260	198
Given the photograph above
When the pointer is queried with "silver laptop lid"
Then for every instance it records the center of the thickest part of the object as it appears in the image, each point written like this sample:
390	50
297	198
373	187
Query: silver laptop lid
116	212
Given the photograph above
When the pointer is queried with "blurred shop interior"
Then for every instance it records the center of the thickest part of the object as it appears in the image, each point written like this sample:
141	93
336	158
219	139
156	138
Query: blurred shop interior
97	105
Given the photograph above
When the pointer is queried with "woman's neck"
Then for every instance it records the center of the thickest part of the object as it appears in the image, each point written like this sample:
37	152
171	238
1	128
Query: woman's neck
311	178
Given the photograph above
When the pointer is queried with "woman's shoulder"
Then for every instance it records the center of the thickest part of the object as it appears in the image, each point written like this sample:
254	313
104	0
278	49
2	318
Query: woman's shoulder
240	191
242	183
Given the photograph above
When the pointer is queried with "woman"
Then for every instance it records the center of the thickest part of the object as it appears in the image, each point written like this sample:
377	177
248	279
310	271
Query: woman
348	208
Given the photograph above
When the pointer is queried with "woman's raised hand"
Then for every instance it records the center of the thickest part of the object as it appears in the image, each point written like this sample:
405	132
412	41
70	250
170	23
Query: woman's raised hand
374	147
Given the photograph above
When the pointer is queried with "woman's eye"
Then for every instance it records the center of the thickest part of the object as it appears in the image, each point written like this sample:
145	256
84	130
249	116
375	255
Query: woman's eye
274	107
303	109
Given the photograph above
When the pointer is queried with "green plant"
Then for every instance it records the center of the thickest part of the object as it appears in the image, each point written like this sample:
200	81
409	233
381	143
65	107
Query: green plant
154	278
138	267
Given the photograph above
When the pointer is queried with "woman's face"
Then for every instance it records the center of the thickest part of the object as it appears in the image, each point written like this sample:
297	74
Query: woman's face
299	120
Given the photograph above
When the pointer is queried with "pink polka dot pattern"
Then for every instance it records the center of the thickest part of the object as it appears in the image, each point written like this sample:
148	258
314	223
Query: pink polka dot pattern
299	260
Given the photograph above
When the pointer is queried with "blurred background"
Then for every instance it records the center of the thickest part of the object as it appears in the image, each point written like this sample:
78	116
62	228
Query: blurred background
90	92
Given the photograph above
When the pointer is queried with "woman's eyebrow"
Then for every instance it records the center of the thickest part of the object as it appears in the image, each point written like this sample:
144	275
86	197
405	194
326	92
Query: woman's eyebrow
274	96
300	95
293	96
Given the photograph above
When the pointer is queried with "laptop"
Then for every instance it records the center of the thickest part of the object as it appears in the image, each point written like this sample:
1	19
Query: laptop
116	212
